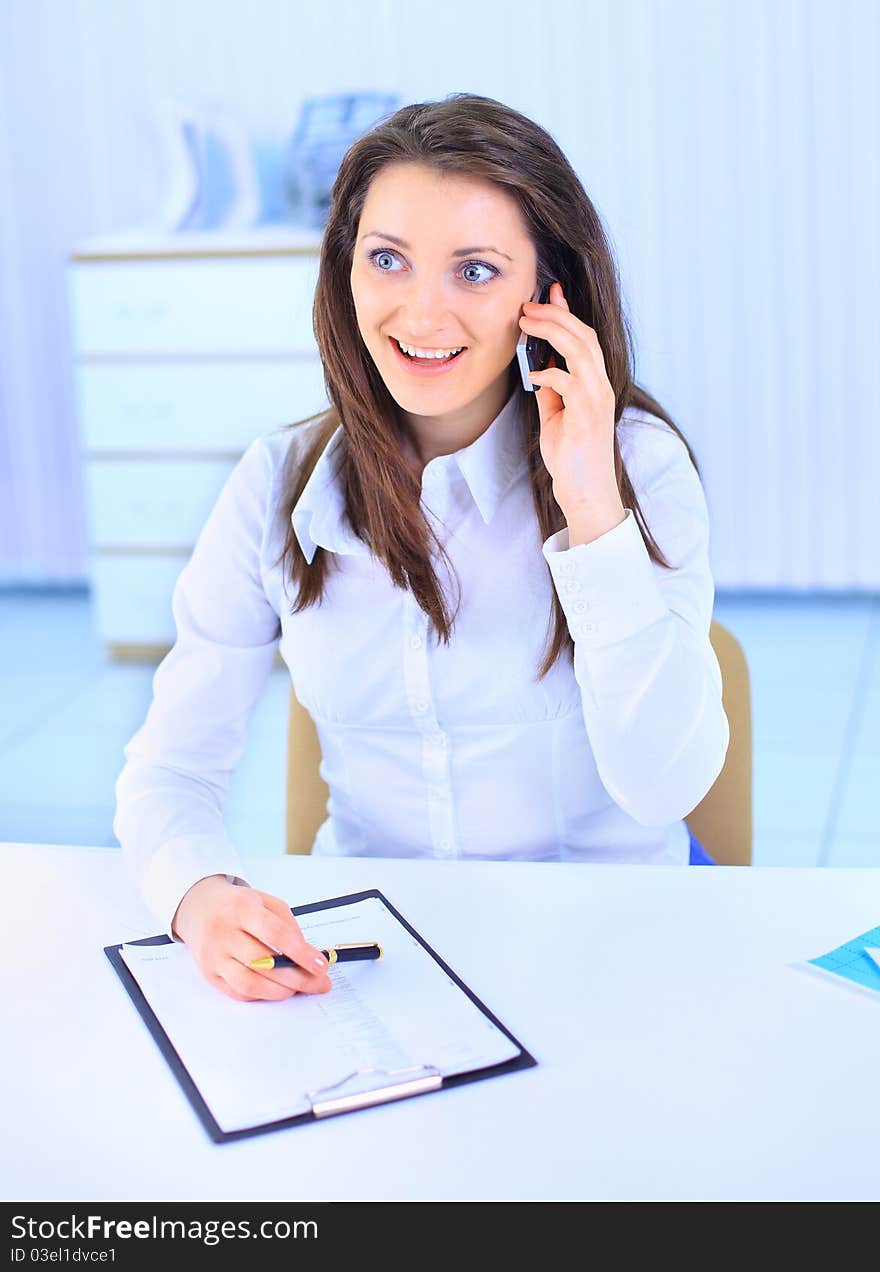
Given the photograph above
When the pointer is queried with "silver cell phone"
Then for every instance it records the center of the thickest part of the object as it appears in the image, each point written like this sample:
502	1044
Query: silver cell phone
533	354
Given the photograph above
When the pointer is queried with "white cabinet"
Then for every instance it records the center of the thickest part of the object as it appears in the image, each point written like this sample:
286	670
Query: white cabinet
186	347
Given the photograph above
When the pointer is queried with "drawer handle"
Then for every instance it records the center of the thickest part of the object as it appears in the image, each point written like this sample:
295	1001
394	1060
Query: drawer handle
148	410
139	313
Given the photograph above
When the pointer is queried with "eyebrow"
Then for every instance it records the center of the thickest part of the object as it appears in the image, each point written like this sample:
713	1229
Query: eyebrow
462	251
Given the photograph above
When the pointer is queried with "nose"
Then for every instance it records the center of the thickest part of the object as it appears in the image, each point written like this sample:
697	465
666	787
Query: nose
424	311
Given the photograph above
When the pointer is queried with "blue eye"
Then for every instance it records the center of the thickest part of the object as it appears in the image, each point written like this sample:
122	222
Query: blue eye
374	256
379	252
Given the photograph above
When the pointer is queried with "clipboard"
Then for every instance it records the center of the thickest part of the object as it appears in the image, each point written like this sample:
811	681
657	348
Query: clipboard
360	1089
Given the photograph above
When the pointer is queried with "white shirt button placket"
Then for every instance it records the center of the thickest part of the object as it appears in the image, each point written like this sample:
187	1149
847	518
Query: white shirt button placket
435	748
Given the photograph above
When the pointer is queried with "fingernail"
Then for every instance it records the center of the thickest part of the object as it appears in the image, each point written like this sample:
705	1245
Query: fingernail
320	962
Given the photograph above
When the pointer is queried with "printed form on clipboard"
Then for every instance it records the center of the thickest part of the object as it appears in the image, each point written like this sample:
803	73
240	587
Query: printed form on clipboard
399	1026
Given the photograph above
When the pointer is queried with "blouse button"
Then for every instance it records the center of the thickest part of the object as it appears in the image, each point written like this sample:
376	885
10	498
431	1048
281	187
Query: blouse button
415	642
421	706
443	845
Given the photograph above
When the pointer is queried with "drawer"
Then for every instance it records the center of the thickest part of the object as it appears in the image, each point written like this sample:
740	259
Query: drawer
132	598
192	406
131	603
237	305
151	503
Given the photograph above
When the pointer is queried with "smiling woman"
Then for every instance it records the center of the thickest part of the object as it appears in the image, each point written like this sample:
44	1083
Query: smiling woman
500	660
431	295
409	197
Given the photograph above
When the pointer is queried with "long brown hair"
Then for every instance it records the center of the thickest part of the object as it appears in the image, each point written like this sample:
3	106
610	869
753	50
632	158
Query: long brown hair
479	137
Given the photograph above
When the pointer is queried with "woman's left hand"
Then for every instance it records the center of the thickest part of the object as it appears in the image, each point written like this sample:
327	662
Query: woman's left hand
577	409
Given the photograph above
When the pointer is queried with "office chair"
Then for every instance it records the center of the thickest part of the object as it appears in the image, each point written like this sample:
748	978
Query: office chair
722	821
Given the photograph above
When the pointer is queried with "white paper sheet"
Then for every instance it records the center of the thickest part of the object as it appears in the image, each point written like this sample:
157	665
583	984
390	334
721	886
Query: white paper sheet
257	1062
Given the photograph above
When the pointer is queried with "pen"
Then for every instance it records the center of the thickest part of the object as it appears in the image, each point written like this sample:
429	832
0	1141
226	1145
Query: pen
356	952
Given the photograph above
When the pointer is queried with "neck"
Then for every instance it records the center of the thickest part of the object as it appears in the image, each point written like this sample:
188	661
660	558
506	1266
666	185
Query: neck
428	436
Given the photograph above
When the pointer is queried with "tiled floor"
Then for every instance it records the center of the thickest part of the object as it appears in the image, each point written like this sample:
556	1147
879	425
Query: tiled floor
66	713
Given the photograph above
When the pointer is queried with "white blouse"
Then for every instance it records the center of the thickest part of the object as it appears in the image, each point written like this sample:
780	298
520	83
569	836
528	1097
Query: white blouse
431	750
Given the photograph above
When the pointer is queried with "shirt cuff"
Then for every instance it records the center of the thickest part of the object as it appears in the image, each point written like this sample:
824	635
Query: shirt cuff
607	588
180	863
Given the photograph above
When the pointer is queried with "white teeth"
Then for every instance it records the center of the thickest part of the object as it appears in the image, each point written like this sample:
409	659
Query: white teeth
429	353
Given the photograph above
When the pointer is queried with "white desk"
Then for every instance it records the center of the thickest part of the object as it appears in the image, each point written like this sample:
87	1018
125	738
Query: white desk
679	1053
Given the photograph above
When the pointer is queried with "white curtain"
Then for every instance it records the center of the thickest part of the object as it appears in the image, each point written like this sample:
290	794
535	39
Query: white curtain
46	200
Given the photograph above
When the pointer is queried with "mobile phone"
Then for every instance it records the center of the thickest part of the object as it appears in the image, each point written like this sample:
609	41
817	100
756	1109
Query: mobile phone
531	353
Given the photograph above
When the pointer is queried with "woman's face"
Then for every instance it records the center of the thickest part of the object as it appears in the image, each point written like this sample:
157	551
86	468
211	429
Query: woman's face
441	261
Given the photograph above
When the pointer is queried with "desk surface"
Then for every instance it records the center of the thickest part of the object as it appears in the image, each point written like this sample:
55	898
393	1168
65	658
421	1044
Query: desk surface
680	1053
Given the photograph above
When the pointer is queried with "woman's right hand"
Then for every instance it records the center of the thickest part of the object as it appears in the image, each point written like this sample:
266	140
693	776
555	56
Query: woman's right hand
226	926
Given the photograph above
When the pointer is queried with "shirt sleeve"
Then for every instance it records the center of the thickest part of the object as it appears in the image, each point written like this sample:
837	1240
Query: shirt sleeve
171	791
649	679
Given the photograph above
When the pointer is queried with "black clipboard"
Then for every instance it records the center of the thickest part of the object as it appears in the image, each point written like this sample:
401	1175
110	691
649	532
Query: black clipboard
403	1084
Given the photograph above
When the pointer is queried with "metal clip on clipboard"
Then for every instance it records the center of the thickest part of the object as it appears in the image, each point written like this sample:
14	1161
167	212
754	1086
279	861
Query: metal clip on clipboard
422	1077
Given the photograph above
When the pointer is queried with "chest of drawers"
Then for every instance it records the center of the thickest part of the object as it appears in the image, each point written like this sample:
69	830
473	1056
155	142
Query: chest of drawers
186	348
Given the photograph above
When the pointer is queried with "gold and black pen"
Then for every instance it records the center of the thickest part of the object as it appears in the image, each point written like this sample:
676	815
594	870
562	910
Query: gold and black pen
356	952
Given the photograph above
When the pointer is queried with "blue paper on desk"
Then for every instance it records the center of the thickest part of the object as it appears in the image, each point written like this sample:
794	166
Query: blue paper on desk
857	960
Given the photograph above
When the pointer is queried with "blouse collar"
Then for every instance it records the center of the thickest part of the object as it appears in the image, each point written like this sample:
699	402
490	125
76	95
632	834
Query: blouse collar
489	466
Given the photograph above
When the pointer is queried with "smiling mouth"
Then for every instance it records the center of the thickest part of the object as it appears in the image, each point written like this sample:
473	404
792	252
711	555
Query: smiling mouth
425	366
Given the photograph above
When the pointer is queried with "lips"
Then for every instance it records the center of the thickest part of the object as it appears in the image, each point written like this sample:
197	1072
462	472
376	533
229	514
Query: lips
435	367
